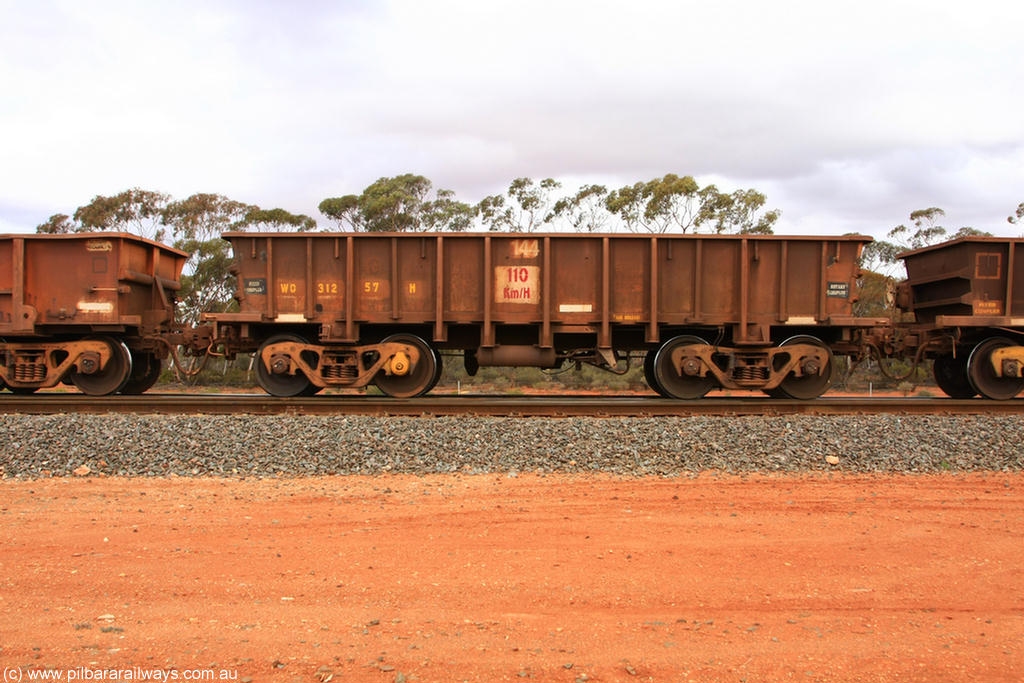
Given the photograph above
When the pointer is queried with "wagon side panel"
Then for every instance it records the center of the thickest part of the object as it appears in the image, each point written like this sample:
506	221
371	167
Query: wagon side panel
73	281
463	280
576	280
630	286
679	281
975	281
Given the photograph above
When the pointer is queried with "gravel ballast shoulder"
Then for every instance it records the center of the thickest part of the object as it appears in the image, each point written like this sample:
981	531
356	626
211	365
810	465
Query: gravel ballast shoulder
156	445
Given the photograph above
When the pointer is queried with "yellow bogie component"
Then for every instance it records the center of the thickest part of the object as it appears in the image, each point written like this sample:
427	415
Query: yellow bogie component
400	364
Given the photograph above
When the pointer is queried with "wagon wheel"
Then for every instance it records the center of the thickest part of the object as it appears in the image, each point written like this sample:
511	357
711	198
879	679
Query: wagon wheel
112	377
146	369
667	377
811	385
419	380
982	375
951	376
283	384
649	377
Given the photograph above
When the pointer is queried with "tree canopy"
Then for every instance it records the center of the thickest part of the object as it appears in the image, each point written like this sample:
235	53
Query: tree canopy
137	211
923	231
1017	216
399	204
674	203
525	207
670	203
408	202
193	224
584	211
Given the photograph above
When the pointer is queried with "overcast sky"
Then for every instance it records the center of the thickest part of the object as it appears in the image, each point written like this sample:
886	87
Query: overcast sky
848	115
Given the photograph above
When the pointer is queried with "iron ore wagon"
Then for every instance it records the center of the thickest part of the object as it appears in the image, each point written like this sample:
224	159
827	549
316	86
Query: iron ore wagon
740	312
89	309
967	297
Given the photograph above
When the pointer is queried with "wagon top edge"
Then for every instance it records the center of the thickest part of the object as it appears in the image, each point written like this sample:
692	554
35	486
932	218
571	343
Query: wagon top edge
96	236
962	240
553	235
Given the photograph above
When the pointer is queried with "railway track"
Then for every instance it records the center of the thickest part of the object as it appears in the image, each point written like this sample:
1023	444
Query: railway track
506	406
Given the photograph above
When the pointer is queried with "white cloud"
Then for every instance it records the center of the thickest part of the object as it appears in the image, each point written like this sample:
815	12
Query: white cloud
847	115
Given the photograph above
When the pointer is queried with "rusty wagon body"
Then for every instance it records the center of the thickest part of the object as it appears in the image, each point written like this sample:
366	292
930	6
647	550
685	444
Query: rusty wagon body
88	309
348	309
967	297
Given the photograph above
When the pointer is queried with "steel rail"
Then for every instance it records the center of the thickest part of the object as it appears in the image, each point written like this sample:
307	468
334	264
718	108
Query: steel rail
504	406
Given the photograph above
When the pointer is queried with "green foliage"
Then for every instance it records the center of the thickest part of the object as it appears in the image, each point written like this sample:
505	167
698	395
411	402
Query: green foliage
584	211
205	216
194	224
670	203
139	212
867	376
525	207
658	205
1018	215
445	213
679	203
207	284
923	231
875	298
58	224
399	204
739	212
587	378
343	210
217	373
269	220
926	230
393	204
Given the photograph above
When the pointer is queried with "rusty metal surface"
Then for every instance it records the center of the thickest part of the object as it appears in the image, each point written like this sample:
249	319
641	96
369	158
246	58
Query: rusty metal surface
550	283
68	283
509	406
968	282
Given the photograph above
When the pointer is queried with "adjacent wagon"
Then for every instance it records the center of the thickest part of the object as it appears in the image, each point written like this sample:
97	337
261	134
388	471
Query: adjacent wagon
350	309
967	297
88	309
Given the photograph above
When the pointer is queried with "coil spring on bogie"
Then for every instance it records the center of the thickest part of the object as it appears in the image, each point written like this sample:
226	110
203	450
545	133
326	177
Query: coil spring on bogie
749	373
344	373
29	372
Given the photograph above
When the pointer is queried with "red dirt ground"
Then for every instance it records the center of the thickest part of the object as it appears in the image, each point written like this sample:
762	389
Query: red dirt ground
494	578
